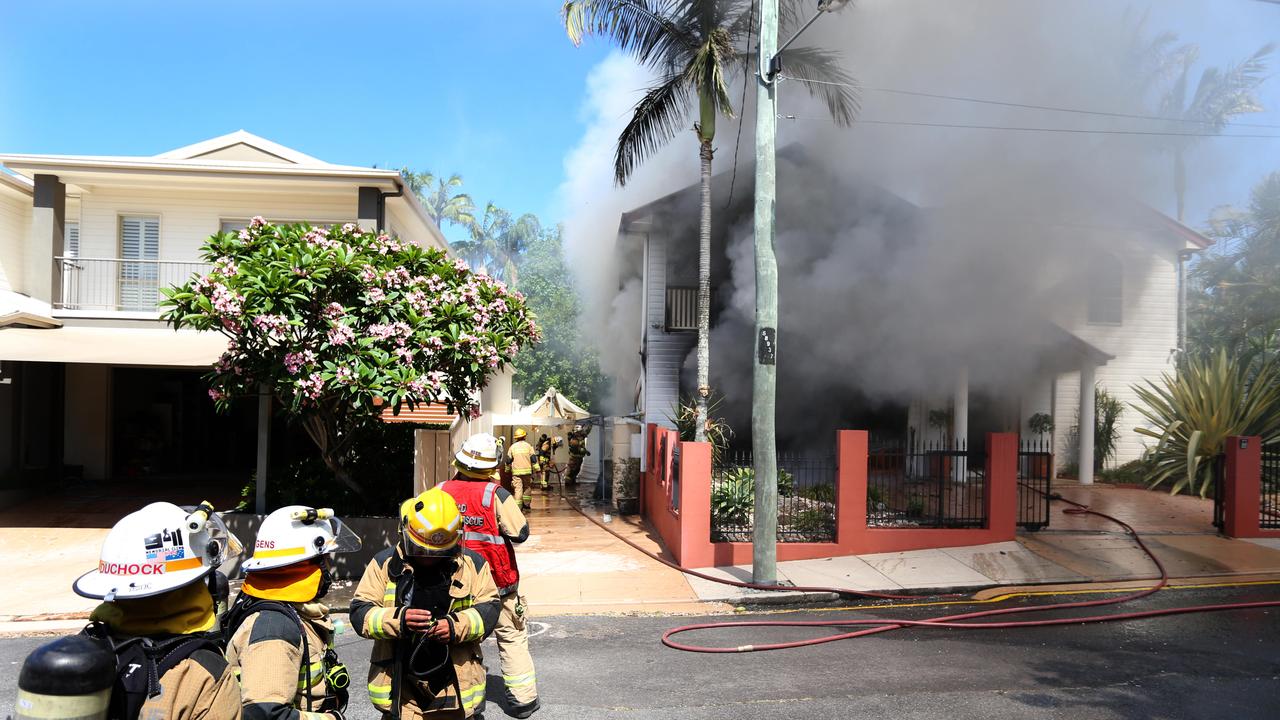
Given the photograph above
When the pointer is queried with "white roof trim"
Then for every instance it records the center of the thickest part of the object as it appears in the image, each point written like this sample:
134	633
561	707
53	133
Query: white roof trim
17	182
240	137
22	163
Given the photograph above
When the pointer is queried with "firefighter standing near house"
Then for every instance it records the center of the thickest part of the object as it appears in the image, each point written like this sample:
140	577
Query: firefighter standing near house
155	578
427	603
279	634
545	448
577	452
493	523
522	463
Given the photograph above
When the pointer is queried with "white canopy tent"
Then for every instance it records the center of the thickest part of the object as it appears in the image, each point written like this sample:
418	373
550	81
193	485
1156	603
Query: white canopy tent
551	410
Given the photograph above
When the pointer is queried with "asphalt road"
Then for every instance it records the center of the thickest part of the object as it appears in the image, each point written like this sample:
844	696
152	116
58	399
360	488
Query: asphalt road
1222	665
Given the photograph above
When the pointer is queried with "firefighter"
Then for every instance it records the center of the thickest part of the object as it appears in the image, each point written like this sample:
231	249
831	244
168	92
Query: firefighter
427	602
544	459
157	617
522	463
279	635
493	523
577	452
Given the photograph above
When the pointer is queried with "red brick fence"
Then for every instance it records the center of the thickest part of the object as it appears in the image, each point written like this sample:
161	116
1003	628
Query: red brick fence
675	496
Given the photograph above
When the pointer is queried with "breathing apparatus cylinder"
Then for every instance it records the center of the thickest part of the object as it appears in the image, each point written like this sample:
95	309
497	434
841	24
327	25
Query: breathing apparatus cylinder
70	677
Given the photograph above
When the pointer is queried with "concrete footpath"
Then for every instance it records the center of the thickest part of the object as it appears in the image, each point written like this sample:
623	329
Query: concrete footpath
570	566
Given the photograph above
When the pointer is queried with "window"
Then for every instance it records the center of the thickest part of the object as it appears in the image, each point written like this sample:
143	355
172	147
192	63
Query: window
682	308
140	280
1106	291
230	226
71	240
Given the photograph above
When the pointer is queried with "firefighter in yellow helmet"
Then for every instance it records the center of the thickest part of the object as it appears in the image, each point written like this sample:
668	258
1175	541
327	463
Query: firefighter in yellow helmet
577	452
427	602
279	634
522	462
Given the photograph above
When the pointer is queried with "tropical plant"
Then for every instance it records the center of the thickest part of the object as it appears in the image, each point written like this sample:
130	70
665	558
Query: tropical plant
1162	69
564	359
497	241
1211	398
1238	303
1040	423
734	497
338	323
1107	410
695	47
715	430
440	197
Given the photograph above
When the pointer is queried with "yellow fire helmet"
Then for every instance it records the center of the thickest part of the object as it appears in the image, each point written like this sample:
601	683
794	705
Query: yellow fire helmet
520	433
430	524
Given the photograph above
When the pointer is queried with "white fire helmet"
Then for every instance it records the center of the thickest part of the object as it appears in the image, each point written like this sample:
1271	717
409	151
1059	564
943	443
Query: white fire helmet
479	452
296	533
159	548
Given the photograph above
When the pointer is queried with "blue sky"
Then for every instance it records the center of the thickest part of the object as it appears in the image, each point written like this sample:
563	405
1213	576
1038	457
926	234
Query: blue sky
490	89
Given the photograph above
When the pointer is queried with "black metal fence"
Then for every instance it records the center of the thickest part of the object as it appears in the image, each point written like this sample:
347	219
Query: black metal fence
806	498
1270	508
1035	468
929	485
1219	473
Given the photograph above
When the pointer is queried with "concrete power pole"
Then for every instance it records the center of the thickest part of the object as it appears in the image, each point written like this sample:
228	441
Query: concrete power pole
764	553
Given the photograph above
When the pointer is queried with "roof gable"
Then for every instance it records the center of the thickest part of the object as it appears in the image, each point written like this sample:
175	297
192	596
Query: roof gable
241	146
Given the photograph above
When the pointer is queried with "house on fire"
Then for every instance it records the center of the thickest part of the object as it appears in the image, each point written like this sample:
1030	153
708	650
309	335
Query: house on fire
920	324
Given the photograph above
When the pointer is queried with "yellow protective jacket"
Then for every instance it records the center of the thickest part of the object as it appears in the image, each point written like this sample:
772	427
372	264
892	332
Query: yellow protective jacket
522	459
377	612
201	687
266	653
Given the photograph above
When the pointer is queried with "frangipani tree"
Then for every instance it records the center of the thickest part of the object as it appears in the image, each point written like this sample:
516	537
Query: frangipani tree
338	322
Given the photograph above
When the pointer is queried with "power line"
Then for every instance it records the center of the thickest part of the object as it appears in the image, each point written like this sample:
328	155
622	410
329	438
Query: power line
1073	131
1029	106
742	105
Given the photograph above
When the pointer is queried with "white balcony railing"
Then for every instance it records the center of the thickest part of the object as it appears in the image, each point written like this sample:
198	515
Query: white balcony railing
119	285
682	308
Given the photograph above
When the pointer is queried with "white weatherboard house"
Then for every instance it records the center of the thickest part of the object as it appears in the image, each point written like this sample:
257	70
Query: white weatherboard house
94	386
1112	329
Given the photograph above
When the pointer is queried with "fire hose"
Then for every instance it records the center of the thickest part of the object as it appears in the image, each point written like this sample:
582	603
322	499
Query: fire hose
873	626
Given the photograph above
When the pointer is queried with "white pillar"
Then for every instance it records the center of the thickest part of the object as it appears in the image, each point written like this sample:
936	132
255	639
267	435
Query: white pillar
1087	390
960	408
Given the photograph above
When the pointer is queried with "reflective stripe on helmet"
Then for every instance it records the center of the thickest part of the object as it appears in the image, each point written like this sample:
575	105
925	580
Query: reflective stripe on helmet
262	554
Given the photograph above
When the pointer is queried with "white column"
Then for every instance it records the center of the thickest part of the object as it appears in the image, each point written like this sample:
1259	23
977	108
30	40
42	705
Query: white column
1087	390
960	408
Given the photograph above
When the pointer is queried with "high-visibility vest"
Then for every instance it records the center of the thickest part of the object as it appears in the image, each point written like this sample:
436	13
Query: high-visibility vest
477	503
522	462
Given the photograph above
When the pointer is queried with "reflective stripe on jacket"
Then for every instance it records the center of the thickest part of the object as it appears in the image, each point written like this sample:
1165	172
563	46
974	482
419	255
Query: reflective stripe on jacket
522	459
493	521
377	612
266	653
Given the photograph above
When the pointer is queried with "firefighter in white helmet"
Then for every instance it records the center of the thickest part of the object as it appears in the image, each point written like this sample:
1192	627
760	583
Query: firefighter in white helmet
427	603
158	613
279	634
493	523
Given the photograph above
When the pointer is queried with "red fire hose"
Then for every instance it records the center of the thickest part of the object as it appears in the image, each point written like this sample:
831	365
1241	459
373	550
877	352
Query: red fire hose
953	622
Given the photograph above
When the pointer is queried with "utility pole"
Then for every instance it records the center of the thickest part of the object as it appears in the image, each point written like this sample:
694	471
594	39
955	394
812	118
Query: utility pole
764	549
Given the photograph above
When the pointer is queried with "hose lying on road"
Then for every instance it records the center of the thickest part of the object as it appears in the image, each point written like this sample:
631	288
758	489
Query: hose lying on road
873	626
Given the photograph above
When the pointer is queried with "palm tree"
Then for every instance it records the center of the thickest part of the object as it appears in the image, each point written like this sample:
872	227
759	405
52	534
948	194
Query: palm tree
440	198
696	47
1219	96
498	241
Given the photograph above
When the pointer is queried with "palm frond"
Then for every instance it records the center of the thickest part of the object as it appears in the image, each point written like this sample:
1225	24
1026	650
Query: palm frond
829	81
644	28
706	71
658	116
1223	94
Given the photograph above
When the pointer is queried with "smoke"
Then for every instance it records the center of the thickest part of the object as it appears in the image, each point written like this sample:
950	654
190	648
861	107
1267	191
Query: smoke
906	252
608	273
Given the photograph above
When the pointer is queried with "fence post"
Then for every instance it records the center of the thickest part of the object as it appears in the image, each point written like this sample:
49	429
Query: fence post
1242	487
1001	494
695	505
851	488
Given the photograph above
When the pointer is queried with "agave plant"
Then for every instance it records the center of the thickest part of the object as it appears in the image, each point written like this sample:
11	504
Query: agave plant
1210	399
717	431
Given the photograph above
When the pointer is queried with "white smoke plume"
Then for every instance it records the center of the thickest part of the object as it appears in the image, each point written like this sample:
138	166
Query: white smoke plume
904	251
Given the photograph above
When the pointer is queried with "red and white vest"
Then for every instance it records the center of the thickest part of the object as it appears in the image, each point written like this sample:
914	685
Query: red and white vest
477	504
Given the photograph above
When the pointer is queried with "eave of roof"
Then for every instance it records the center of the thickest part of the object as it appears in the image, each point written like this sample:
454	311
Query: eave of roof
30	163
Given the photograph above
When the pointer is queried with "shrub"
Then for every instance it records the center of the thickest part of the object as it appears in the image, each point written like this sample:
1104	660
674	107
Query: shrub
813	522
719	432
1210	399
1106	413
1134	472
